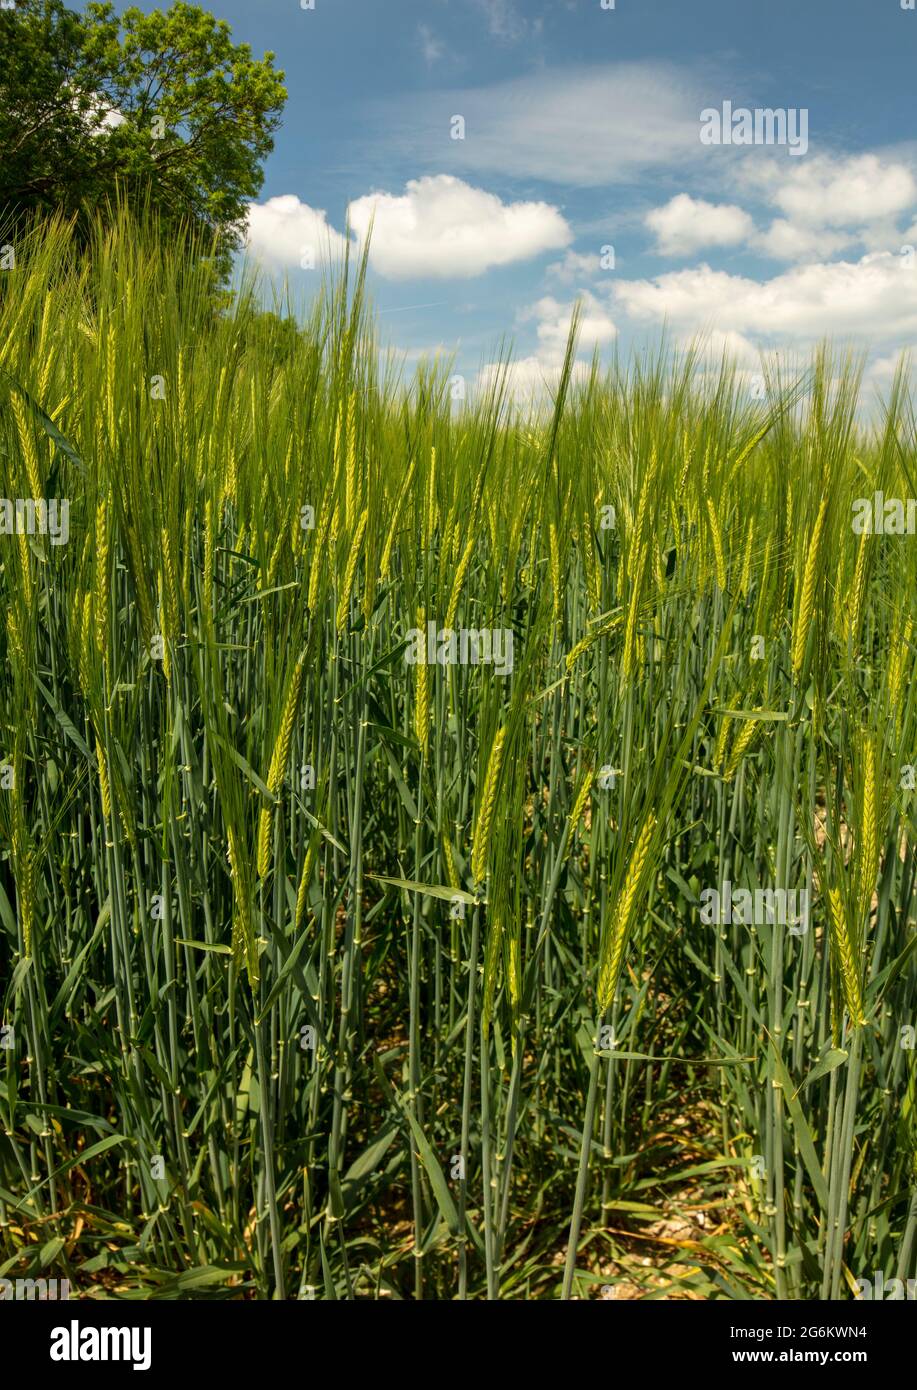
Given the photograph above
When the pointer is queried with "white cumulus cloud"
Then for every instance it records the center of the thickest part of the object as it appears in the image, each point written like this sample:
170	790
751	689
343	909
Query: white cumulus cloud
686	224
531	380
873	298
848	192
788	241
285	232
438	227
443	227
553	321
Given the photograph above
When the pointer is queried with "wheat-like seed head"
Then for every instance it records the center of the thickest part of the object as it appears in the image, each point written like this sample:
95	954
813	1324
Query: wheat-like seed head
304	881
459	579
351	463
183	394
385	563
101	602
281	754
449	857
514	976
23	863
855	598
25	569
318	552
350	571
763	581
629	654
718	552
263	844
280	757
554	555
745	576
807	591
593	570
27	445
722	738
750	447
422	692
743	742
171	582
583	645
613	954
104	783
273	563
209	546
582	797
900	647
432	513
486	809
243	939
869	849
15	644
845	957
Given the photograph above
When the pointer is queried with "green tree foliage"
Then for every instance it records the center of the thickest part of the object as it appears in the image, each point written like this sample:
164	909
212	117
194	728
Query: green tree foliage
160	109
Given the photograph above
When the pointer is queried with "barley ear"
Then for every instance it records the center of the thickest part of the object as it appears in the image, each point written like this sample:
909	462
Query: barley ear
616	939
486	807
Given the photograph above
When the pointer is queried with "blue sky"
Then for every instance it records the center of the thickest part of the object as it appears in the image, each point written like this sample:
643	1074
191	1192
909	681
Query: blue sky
582	131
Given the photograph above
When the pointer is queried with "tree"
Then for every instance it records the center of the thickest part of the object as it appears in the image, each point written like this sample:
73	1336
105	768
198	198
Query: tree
162	110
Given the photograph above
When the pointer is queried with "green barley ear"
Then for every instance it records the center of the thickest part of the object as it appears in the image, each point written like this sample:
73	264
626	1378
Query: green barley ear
385	562
806	602
350	467
845	956
485	815
350	572
207	575
582	798
308	869
431	515
27	445
244	948
317	562
554	556
583	645
745	576
761	623
751	446
422	692
104	783
901	646
629	656
854	604
718	552
278	766
722	738
451	872
23	865
458	581
615	941
743	742
869	846
101	595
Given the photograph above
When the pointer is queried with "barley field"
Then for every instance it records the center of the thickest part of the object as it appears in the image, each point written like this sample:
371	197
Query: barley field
449	850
